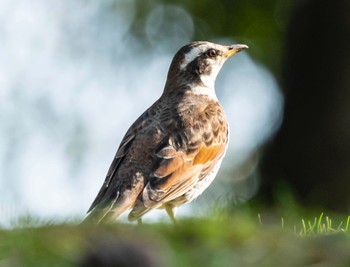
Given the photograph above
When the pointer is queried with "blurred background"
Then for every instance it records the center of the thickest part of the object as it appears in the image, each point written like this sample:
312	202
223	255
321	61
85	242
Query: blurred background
75	74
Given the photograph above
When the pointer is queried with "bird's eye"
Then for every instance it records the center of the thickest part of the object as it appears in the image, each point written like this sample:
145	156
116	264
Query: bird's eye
212	53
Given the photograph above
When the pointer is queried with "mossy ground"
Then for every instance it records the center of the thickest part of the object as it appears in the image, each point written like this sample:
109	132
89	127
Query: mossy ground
240	239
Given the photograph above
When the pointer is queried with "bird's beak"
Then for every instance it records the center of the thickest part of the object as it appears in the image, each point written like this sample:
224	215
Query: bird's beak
234	49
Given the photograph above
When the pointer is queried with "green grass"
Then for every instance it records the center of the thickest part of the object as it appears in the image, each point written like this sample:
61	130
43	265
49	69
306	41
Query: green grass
322	225
244	238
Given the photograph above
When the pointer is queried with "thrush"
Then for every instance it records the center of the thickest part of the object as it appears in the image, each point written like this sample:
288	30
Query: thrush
173	151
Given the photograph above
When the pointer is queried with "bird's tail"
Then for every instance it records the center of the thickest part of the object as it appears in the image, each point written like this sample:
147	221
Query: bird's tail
104	213
108	209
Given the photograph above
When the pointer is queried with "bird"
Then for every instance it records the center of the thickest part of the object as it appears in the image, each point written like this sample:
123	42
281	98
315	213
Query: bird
173	151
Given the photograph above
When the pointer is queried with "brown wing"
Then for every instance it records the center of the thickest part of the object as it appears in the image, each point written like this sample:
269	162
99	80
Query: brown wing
121	152
123	182
175	176
178	170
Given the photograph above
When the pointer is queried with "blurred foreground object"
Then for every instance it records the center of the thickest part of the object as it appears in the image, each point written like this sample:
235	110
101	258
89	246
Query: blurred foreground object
119	253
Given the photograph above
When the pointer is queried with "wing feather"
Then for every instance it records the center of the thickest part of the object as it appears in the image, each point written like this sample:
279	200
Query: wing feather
121	152
176	173
106	195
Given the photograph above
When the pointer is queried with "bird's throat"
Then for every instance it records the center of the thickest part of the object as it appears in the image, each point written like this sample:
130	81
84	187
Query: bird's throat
203	90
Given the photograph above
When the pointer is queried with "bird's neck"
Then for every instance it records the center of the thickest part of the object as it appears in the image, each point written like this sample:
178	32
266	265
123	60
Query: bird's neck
201	84
199	87
203	90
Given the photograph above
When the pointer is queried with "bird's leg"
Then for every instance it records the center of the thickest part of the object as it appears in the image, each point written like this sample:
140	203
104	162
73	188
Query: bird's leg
139	221
171	211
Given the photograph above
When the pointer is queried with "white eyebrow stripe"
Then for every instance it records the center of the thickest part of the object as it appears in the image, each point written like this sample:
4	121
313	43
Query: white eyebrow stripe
190	56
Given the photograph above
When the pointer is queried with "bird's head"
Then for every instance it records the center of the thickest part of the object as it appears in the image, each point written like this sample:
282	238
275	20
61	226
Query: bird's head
199	63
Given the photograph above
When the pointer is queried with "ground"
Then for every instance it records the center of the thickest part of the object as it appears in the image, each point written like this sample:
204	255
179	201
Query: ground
244	238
